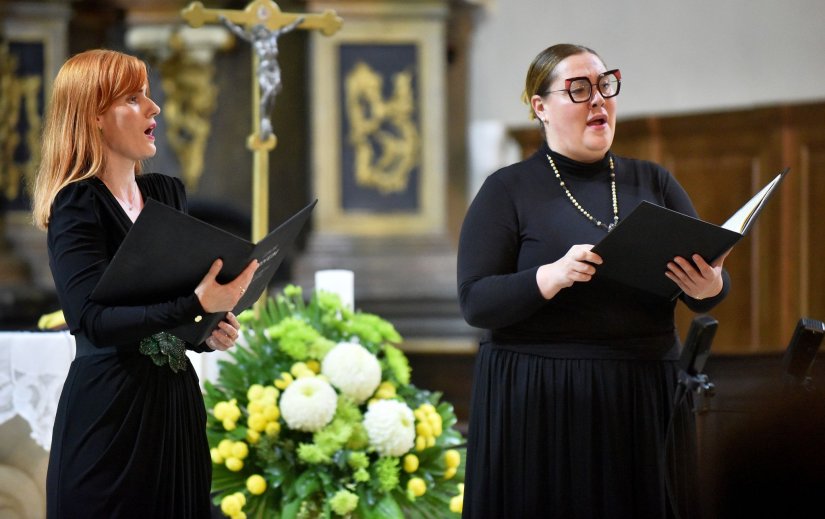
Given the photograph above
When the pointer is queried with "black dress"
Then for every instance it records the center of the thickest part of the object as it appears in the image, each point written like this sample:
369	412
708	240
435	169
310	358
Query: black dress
129	437
571	396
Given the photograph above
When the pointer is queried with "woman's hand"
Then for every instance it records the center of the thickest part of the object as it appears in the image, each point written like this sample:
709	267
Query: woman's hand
575	266
215	297
224	336
699	279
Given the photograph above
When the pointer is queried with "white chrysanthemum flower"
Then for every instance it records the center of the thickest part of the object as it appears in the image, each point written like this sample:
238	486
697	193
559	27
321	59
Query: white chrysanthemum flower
390	425
353	370
308	404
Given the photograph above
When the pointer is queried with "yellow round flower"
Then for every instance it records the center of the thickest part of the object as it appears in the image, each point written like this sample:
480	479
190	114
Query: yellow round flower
314	365
256	407
420	443
410	463
217	459
256	484
449	473
424	429
452	458
255	392
272	429
241	498
417	487
270	395
240	450
457	504
256	422
231	505
385	390
271	412
229	425
220	410
225	447
252	436
234	464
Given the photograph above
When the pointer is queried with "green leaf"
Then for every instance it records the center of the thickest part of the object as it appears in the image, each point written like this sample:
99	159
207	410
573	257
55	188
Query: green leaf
385	508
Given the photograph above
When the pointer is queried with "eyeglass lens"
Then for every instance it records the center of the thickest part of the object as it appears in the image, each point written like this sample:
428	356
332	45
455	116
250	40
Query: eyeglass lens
581	89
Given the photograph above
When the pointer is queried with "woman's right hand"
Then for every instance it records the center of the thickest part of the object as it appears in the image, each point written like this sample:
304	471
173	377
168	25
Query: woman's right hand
215	297
575	266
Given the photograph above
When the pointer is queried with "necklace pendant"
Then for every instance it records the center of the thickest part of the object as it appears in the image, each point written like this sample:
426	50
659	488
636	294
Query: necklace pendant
611	226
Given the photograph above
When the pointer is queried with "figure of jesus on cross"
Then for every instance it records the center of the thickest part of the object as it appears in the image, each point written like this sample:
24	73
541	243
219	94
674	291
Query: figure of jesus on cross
265	43
261	23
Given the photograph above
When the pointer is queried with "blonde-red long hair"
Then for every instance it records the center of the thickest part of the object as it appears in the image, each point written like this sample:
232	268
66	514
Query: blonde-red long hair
72	145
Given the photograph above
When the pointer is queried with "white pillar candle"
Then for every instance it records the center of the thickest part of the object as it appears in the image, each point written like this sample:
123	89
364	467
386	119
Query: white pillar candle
337	281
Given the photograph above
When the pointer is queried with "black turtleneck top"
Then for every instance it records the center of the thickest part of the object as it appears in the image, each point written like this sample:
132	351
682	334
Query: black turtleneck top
522	219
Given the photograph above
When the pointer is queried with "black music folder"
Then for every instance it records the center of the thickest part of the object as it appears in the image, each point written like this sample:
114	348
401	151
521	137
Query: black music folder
166	253
637	251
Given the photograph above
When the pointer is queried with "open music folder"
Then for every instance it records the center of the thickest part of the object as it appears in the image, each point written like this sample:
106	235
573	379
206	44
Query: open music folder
637	251
166	253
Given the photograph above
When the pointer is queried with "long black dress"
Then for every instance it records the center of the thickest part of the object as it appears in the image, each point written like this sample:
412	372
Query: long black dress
572	395
129	437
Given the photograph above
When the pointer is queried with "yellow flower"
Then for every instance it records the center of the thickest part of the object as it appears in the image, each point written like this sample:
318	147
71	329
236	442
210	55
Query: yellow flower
231	505
449	473
457	504
239	515
217	459
270	395
410	463
420	443
314	365
417	487
255	392
271	412
256	407
386	390
256	484
283	381
252	436
257	422
234	464
272	429
424	429
225	448
452	458
229	425
220	410
240	450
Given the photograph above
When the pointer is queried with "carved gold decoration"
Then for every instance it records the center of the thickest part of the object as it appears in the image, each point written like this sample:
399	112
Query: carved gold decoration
382	131
191	99
14	91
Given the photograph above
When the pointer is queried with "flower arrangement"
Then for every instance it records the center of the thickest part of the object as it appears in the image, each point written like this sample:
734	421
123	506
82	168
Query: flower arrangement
315	416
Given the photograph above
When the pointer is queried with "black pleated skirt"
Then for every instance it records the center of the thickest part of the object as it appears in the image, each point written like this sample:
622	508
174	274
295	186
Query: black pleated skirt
552	435
129	441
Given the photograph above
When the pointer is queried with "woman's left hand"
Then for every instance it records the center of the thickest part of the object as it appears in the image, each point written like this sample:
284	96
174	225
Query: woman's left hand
224	336
699	279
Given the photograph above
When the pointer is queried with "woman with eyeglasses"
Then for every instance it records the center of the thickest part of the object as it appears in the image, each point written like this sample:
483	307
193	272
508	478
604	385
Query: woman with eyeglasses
575	376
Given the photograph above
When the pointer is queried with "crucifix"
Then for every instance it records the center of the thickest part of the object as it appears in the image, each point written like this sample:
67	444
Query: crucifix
261	23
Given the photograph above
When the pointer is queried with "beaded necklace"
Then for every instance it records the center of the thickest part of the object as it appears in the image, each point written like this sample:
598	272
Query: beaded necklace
581	209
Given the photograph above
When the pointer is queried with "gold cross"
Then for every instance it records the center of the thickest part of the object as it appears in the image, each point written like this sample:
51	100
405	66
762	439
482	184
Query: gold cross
262	12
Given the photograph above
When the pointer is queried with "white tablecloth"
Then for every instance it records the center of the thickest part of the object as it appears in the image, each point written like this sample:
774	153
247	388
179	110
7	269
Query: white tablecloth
33	367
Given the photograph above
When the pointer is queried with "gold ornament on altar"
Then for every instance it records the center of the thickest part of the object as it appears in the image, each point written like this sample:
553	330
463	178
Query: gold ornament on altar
16	91
383	132
191	98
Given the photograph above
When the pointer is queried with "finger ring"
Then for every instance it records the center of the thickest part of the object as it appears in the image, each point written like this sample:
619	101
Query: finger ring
243	290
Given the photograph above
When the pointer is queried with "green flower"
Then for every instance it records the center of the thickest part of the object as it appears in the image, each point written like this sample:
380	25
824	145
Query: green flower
398	364
312	454
294	336
386	471
343	502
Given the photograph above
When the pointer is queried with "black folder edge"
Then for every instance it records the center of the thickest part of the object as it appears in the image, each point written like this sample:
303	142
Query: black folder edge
129	262
621	248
